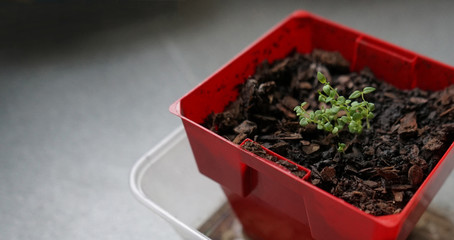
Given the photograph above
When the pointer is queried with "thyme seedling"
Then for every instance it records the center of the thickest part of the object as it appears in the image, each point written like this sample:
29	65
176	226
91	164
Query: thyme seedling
343	112
341	147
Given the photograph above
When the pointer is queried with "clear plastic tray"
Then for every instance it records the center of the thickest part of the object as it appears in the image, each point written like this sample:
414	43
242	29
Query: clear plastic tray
166	181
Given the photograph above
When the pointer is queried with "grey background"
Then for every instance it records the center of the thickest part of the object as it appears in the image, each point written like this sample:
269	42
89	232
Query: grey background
85	87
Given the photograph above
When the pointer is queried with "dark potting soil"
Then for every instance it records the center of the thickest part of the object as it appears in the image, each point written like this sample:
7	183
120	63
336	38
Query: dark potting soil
259	151
382	167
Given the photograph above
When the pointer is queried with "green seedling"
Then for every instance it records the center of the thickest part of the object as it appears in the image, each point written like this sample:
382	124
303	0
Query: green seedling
343	112
341	147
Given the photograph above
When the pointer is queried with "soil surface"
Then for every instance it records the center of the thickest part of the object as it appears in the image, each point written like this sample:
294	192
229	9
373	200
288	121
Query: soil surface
382	167
259	151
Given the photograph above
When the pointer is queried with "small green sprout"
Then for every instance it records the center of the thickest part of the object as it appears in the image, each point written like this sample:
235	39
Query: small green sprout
341	147
342	113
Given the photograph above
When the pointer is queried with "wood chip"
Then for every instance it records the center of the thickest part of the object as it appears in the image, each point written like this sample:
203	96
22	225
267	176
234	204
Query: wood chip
414	151
248	90
354	196
419	161
397	211
304	74
408	126
394	128
266	87
280	66
289	136
350	168
415	175
418	100
390	95
367	170
305	85
311	148
328	173
388	173
433	144
446	112
369	151
398	196
239	138
343	79
447	96
359	195
315	181
246	127
289	102
371	184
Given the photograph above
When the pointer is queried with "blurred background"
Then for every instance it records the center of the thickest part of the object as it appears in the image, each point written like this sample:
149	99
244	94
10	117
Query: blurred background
85	87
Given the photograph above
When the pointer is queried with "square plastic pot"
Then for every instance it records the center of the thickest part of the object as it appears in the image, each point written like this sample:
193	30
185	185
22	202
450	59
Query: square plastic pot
270	202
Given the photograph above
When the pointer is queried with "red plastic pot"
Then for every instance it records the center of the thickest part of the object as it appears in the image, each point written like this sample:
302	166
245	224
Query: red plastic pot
269	201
